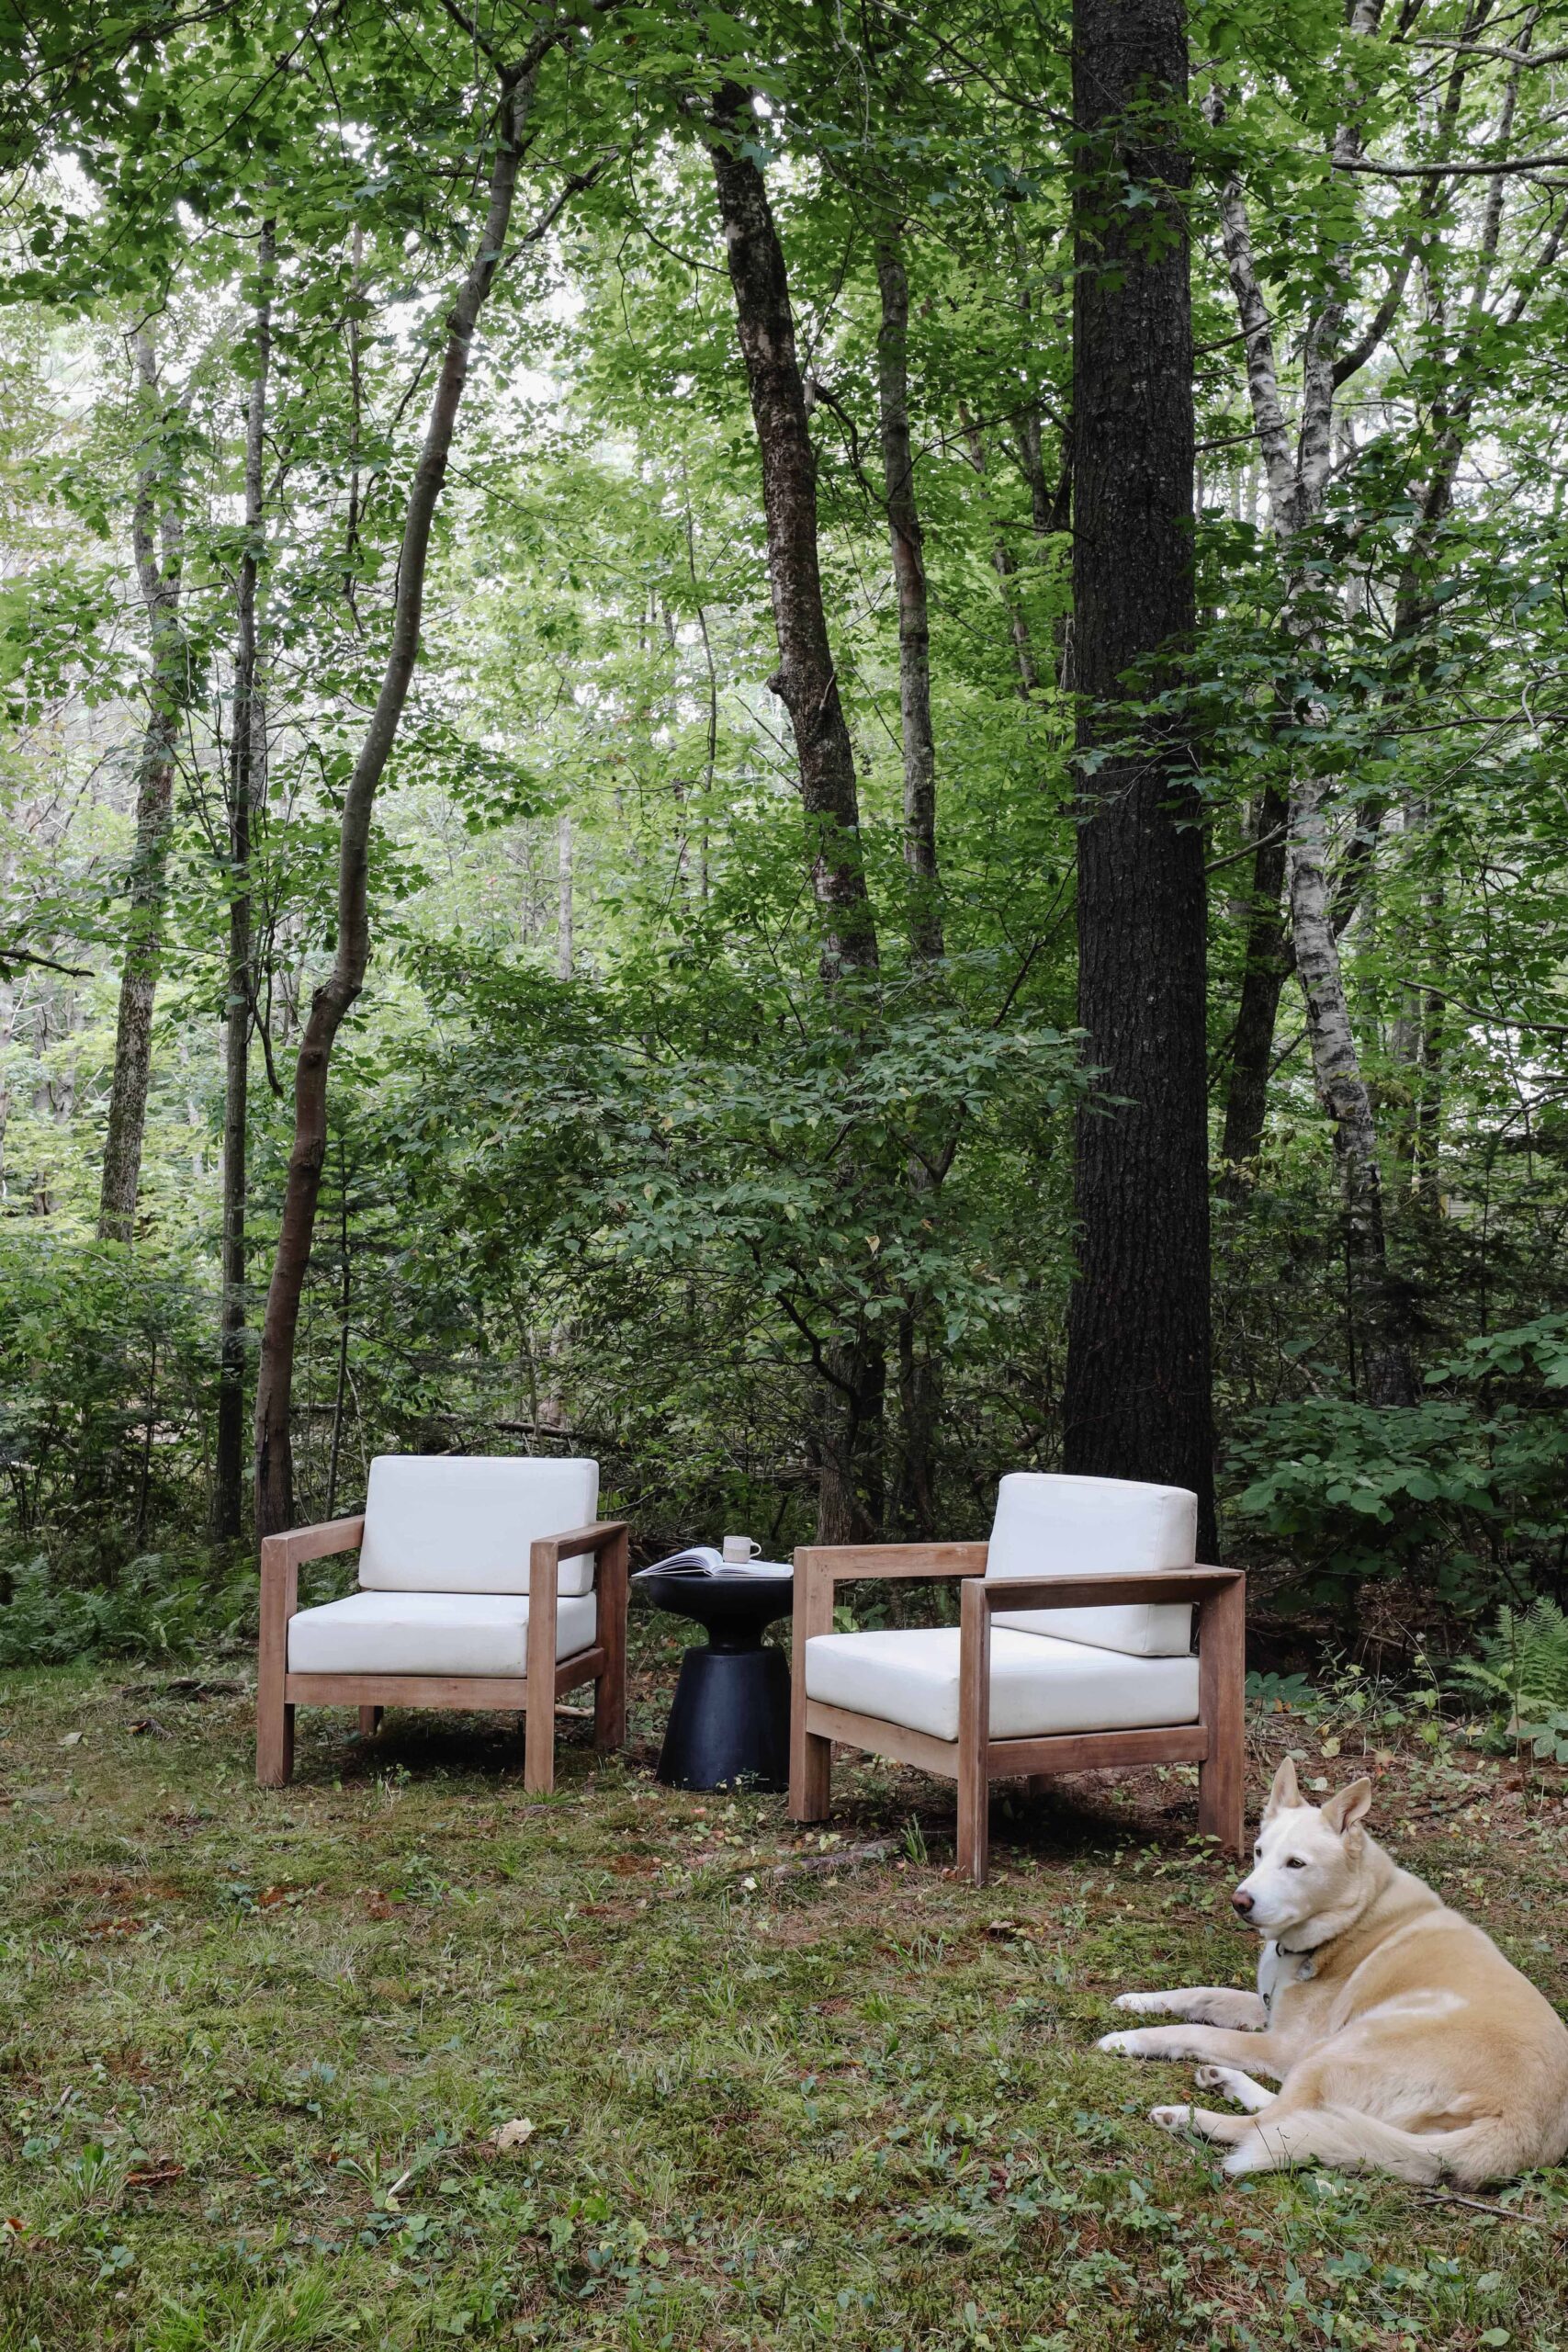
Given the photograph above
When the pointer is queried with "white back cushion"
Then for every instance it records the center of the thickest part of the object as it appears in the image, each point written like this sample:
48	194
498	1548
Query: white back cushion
1089	1527
464	1522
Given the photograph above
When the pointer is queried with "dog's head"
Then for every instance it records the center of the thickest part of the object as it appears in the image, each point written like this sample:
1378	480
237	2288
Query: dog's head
1308	1862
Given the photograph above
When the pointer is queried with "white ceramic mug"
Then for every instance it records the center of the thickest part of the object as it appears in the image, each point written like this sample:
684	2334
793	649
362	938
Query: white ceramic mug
739	1550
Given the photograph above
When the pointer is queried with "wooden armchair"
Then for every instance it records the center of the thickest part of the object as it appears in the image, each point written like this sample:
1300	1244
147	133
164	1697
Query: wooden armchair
1099	1672
463	1602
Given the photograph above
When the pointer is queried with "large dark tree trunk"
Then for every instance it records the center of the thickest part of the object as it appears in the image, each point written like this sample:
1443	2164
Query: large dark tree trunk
1136	1403
246	785
157	536
332	999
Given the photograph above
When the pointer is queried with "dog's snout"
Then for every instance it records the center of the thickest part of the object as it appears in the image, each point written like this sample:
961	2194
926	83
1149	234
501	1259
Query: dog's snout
1242	1900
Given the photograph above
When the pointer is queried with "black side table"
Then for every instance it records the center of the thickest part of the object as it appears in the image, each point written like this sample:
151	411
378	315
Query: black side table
730	1719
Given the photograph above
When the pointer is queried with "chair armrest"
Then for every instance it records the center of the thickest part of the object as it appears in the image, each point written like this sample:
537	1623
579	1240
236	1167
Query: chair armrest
818	1568
924	1562
301	1543
547	1550
1066	1590
281	1556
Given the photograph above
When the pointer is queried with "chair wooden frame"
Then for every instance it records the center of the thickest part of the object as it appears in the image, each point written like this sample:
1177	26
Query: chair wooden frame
1215	1743
533	1694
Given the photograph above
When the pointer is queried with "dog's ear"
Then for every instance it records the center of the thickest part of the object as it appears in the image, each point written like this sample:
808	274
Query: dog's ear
1285	1790
1348	1807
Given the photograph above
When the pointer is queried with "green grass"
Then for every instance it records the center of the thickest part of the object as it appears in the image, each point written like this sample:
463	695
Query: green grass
253	2048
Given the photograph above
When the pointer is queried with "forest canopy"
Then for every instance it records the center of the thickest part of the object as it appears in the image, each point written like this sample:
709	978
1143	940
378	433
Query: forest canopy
709	1061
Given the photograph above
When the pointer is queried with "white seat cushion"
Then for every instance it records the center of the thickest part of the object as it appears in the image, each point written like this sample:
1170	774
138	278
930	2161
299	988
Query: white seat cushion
1038	1686
464	1522
1084	1527
430	1633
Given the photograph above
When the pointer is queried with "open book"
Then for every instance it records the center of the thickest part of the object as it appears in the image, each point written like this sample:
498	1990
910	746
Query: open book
708	1560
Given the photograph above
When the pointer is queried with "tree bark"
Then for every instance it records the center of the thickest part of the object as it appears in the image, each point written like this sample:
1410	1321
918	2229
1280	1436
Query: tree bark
908	544
854	1368
337	993
1296	483
157	537
919	1388
1137	1394
247	782
1263	977
806	680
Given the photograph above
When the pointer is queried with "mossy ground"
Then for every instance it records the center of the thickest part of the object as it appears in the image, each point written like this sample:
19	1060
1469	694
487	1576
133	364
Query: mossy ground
254	2047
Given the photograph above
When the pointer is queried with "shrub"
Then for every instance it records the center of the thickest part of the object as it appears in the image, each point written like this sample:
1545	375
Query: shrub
153	1611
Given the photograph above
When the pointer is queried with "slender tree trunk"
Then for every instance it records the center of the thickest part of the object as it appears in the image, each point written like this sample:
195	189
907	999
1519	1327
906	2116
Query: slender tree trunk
806	680
157	536
1136	1402
908	544
247	773
853	1378
564	899
1262	982
346	1304
919	1375
1297	480
337	993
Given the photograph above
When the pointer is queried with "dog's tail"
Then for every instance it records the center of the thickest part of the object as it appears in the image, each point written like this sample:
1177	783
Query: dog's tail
1489	2149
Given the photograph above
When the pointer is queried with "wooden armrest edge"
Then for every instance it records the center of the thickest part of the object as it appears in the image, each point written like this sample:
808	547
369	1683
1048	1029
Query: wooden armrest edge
848	1562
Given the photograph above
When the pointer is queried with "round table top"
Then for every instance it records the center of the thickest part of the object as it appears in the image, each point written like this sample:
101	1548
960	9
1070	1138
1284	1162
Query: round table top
733	1601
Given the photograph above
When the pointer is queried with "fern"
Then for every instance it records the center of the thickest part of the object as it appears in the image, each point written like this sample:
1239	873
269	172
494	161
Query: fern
1523	1663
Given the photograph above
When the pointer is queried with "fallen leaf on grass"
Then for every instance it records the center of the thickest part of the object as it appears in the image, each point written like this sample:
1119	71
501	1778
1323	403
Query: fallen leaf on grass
148	1727
153	2177
72	1739
512	2135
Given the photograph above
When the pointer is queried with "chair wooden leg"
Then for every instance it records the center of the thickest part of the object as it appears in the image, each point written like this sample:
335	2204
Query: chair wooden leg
1222	1704
810	1756
973	1732
275	1741
974	1824
810	1774
369	1721
539	1750
610	1689
275	1717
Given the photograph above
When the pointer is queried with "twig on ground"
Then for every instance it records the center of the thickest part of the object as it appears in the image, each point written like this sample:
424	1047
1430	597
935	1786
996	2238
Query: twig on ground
1500	2212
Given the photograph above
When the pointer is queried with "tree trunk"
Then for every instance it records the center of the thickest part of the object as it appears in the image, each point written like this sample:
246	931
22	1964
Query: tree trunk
1136	1402
157	536
332	999
1296	484
907	545
806	680
565	945
1262	983
853	1372
247	784
1376	1302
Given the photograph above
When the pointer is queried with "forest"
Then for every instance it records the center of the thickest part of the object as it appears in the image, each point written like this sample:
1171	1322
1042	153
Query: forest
617	829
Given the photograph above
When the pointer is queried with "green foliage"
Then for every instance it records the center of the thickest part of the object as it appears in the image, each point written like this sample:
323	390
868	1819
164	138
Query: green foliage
1523	1667
155	1607
1357	1492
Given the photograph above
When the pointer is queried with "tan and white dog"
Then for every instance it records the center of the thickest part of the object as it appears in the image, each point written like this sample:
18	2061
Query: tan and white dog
1401	2038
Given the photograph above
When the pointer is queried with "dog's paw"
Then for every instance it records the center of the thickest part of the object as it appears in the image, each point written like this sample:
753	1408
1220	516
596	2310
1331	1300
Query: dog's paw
1171	2119
1125	2045
1141	2004
1213	2078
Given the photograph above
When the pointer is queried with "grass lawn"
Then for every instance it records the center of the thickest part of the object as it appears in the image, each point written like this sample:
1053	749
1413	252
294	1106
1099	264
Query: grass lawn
253	2048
